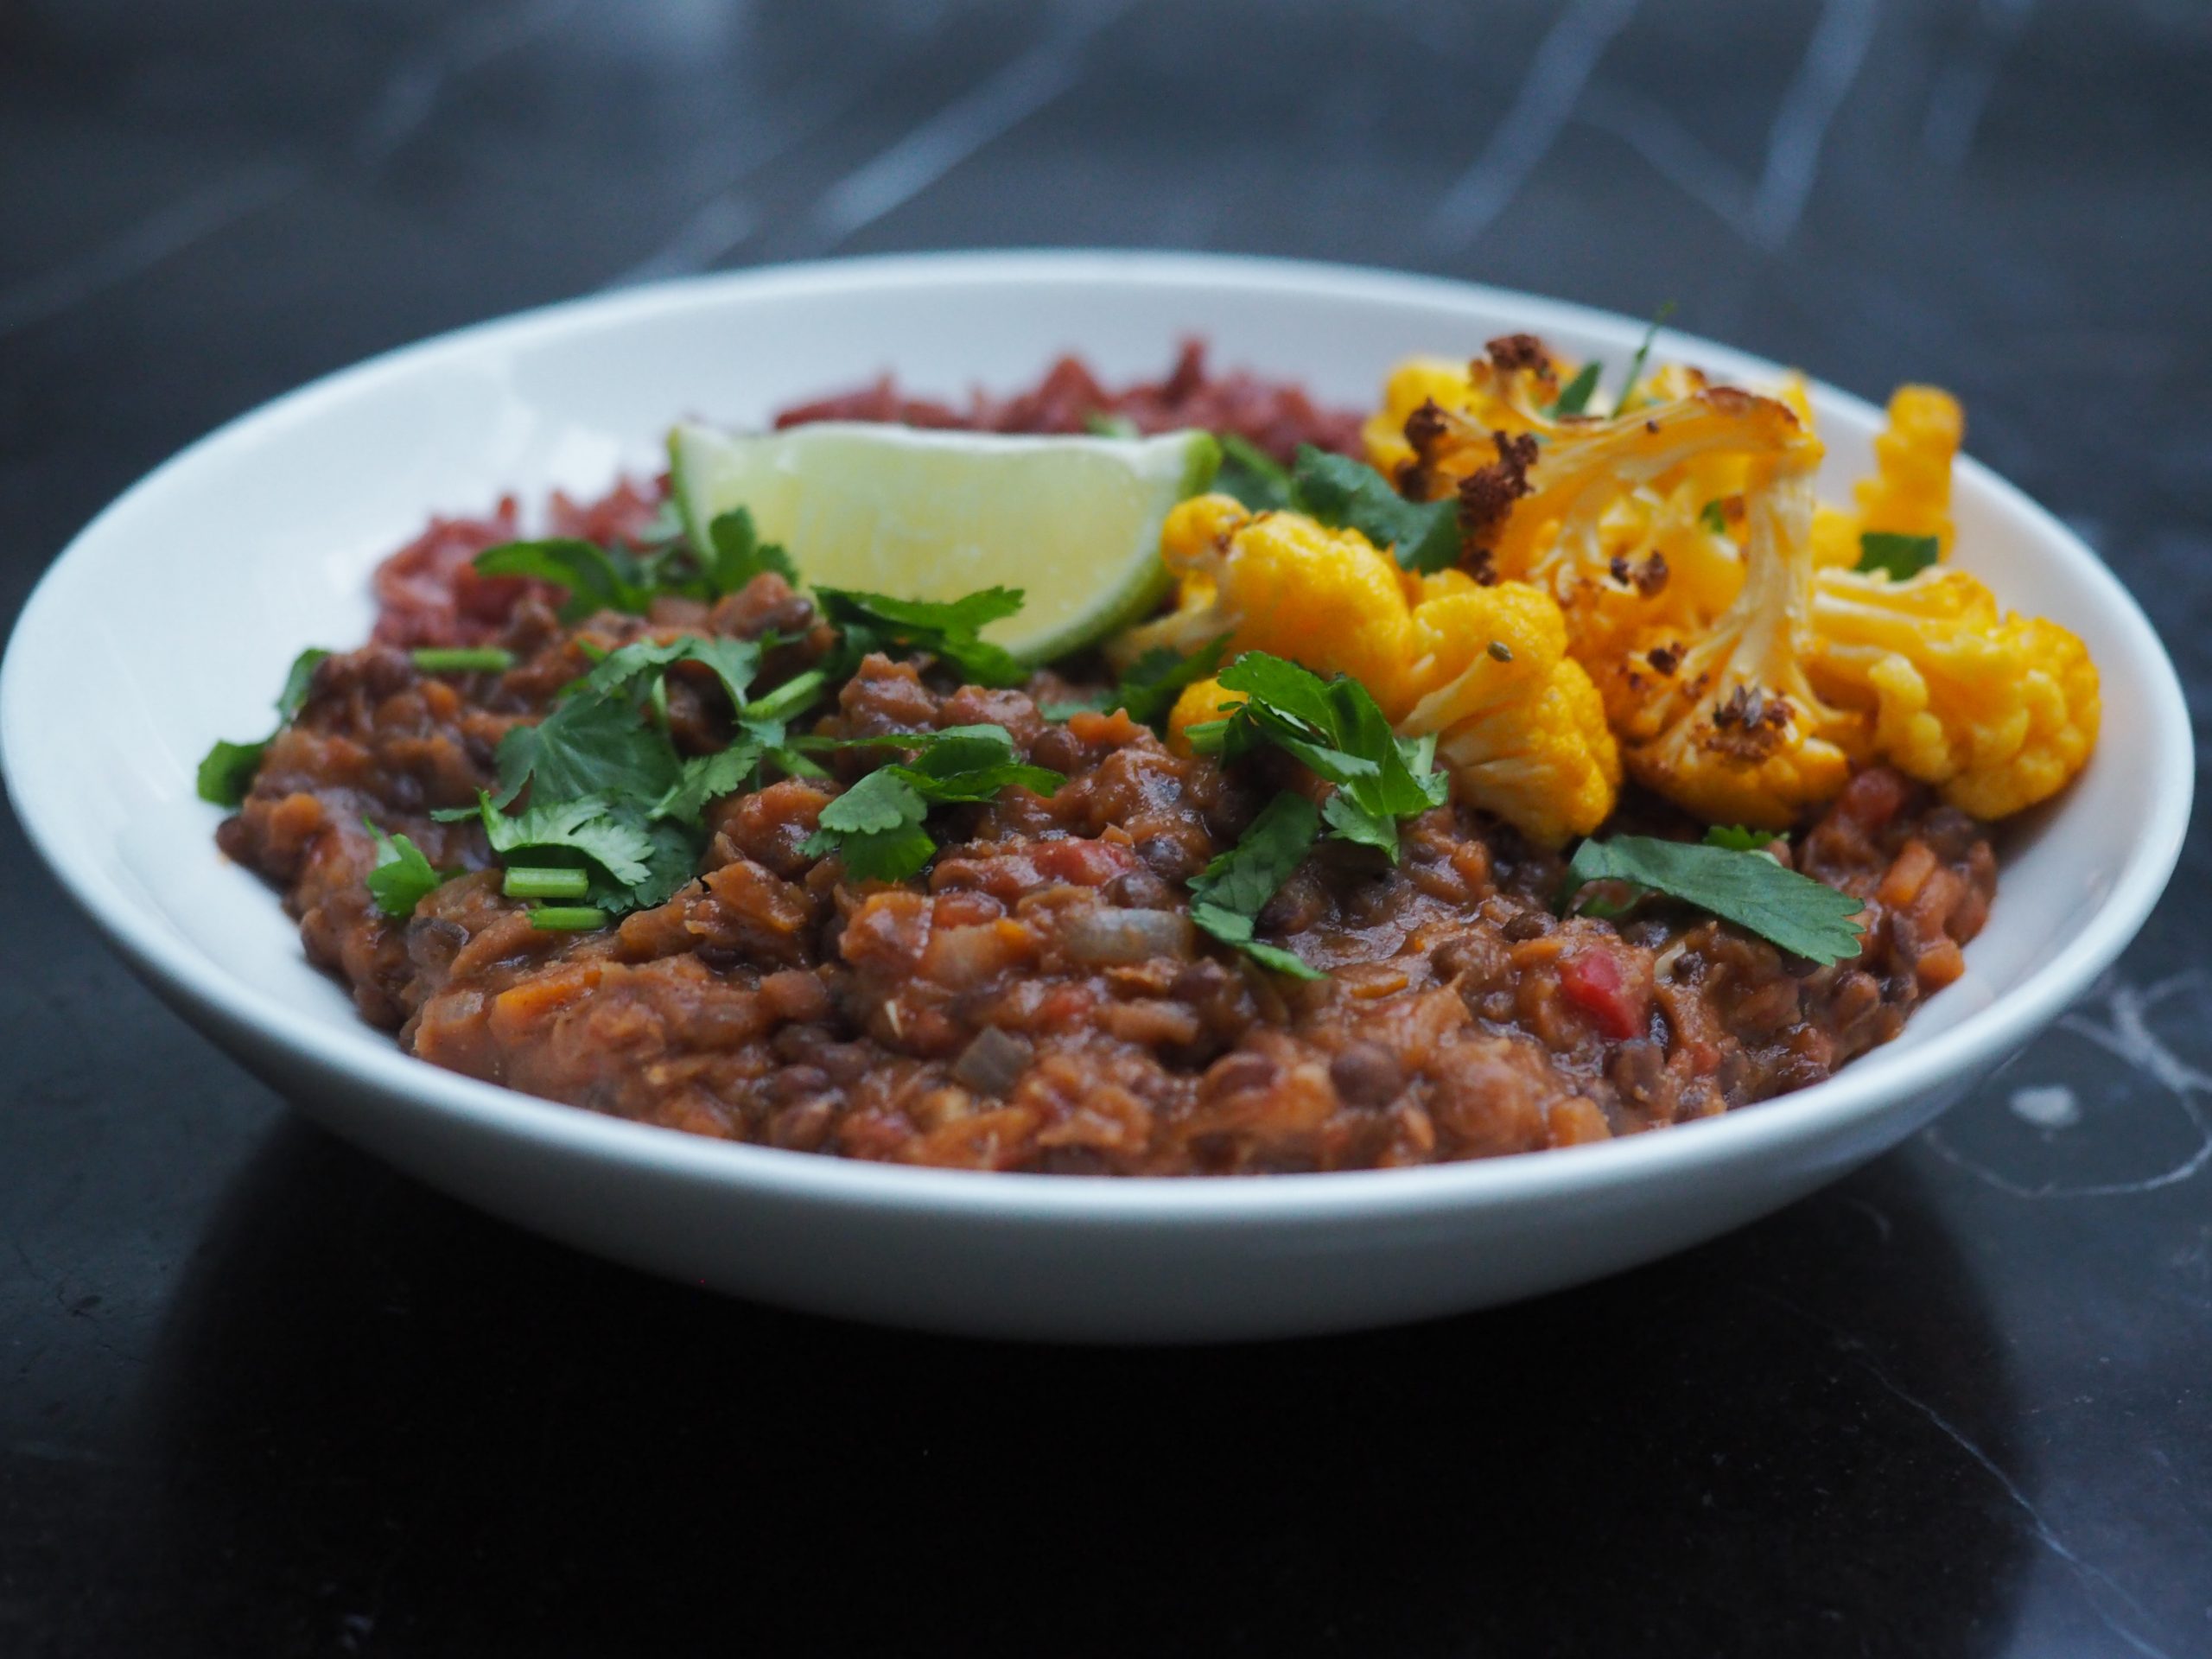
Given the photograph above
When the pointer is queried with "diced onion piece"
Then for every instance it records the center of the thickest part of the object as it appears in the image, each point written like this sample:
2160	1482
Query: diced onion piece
1106	935
993	1063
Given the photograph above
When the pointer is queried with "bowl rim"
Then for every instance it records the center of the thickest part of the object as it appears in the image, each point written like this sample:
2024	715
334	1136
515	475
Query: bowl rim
1822	1113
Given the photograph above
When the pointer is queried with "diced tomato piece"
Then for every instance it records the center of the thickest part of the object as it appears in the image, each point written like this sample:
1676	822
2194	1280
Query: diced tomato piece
1873	797
1082	863
1592	981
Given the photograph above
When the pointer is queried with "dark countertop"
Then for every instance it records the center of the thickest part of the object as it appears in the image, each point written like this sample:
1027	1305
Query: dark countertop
259	1395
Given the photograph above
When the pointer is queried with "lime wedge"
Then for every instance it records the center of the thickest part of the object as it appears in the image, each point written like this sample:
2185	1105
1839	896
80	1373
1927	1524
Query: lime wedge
1074	523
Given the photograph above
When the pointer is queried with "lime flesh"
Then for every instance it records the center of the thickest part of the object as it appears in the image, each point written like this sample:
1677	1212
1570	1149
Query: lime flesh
1073	522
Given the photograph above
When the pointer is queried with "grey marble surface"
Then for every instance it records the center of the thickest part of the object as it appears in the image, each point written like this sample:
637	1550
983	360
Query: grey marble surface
259	1395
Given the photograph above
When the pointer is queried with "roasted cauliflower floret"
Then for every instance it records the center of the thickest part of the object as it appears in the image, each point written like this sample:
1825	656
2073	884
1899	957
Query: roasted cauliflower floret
1518	724
1631	525
1279	582
1505	390
1200	702
1997	712
1909	492
1553	532
1736	733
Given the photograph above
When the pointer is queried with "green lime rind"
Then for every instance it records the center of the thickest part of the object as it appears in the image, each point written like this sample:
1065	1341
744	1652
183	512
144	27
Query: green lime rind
1074	522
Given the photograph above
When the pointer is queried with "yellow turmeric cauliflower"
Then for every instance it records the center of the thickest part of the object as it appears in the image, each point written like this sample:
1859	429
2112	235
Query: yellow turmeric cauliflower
1671	603
1505	392
1554	533
1278	582
1999	712
1909	492
1736	733
1632	524
1518	722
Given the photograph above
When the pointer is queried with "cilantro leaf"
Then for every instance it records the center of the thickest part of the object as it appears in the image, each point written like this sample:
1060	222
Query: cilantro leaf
739	554
597	578
705	777
1150	684
1251	474
974	763
1739	839
949	628
225	772
591	827
793	697
1574	397
589	745
402	877
1635	363
1805	918
877	824
672	861
1714	517
1343	493
1229	894
1898	558
1100	424
613	578
299	680
1090	703
733	661
1335	729
882	800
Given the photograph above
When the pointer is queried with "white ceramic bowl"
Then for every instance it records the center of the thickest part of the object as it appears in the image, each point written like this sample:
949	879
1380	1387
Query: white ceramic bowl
170	620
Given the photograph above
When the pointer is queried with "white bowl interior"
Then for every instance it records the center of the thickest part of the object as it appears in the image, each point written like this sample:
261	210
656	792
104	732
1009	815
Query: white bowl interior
170	621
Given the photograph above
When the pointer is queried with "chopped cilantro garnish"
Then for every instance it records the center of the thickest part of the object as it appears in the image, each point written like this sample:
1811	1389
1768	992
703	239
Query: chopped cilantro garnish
638	667
704	776
299	679
1151	684
739	554
877	824
227	771
1340	492
1737	839
568	919
1335	729
1574	397
402	877
1251	474
545	881
1229	894
592	826
1898	558
792	698
948	629
1714	517
609	794
1100	424
1066	709
1642	351
616	578
597	578
1805	918
591	744
462	660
